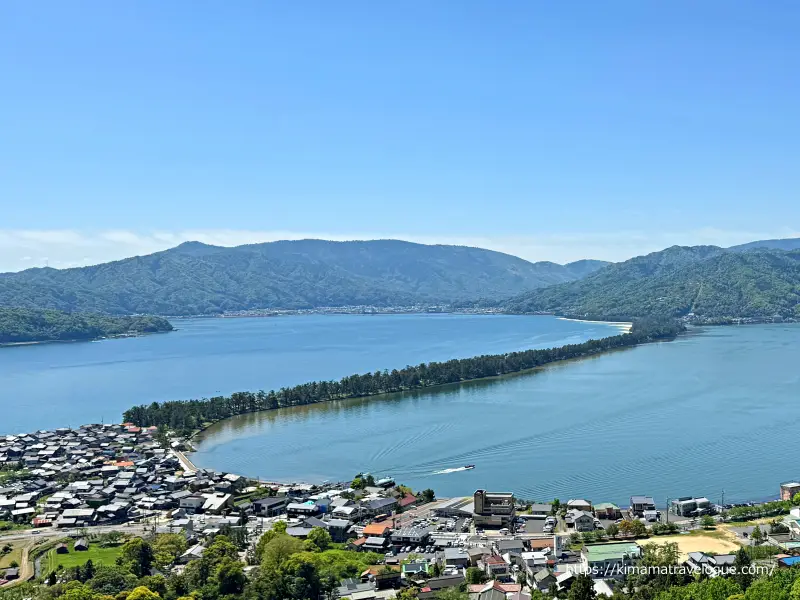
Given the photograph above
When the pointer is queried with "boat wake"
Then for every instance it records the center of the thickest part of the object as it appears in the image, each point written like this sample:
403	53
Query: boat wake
453	470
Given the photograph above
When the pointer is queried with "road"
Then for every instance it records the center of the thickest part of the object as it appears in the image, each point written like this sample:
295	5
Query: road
51	532
25	566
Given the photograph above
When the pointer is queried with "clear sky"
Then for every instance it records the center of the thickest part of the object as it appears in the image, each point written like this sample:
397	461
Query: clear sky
553	130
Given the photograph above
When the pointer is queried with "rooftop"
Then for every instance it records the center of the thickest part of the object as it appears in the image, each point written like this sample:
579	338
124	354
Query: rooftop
614	551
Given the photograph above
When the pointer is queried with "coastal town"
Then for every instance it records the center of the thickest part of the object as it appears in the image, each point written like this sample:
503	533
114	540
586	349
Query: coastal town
62	489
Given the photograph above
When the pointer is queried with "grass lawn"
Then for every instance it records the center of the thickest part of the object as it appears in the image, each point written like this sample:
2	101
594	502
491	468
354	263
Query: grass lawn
14	555
97	554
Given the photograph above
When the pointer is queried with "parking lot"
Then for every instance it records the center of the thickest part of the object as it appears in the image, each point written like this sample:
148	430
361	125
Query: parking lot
531	526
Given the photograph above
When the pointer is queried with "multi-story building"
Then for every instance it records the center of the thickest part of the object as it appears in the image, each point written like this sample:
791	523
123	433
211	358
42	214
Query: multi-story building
690	507
493	509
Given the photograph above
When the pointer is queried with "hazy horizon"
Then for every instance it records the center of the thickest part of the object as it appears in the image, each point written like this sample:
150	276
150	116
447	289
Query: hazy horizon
73	249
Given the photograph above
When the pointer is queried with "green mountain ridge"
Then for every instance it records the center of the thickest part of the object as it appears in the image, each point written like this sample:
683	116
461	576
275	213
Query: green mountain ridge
705	281
19	325
195	278
779	244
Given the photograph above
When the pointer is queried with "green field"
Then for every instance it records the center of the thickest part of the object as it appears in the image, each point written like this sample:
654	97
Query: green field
14	556
97	554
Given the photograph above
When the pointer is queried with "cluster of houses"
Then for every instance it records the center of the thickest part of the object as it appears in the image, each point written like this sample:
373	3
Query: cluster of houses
111	474
103	475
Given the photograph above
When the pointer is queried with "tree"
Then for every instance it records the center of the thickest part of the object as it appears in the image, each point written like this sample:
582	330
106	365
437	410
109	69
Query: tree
626	527
427	495
167	548
764	589
741	565
451	593
555	507
757	535
306	582
612	530
369	481
220	548
794	593
707	522
51	579
474	576
409	593
319	538
796	499
143	593
155	583
88	570
582	588
279	550
230	577
137	556
110	580
638	528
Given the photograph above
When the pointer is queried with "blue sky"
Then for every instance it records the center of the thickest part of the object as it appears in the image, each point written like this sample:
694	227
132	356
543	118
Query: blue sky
551	130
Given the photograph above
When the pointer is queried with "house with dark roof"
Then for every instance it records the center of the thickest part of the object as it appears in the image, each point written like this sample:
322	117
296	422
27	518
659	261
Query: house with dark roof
435	584
379	506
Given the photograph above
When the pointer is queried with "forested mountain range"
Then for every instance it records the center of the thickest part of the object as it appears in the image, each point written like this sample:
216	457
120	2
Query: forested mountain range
30	325
707	281
782	244
195	278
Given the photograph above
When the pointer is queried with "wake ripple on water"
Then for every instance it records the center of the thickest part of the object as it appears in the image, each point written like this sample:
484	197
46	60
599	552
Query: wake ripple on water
453	470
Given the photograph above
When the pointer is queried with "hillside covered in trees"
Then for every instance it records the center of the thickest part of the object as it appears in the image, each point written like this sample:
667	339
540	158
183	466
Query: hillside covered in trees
19	325
185	416
194	278
707	281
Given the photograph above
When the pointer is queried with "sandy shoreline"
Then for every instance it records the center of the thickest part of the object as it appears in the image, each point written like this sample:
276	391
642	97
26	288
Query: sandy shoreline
623	325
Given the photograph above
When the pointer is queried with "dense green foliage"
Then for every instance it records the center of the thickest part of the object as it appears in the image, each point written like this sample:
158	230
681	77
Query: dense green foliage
704	280
29	325
193	414
195	279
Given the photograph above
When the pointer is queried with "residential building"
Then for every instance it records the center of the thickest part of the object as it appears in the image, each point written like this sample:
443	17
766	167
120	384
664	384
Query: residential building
711	565
607	510
641	504
376	544
435	584
410	535
456	557
302	509
380	529
579	504
580	520
270	506
415	568
541	510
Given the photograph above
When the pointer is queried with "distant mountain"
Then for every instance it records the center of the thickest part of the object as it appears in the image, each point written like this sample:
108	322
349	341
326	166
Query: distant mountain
196	278
19	325
784	244
581	268
704	280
